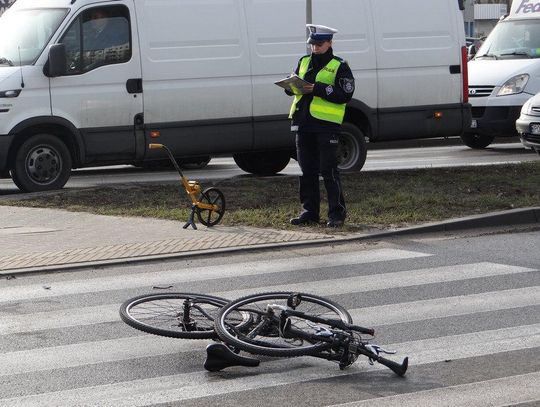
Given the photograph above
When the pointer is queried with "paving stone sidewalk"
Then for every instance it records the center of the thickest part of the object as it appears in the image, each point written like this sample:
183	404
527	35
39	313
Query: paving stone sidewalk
34	238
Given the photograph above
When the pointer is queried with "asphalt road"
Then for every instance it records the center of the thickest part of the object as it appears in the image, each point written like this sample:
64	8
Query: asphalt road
465	309
414	154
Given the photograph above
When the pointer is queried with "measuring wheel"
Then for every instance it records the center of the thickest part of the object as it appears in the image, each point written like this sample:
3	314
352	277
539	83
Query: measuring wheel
211	217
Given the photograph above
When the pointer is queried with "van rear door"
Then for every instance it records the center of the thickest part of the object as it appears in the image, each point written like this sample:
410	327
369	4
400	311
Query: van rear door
101	93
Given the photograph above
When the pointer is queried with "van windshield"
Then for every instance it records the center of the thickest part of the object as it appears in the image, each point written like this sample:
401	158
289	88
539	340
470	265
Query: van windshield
513	39
24	34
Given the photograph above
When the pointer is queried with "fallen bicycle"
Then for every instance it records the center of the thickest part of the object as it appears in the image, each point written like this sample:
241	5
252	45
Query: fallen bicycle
278	324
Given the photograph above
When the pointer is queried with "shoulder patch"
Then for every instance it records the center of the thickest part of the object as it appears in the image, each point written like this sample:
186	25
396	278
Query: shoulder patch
347	85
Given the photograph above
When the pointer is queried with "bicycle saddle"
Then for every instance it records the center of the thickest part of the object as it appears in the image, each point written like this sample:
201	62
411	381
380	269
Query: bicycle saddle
219	356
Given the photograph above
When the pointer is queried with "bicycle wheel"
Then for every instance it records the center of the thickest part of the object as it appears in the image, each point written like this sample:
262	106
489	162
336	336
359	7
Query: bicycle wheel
261	335
210	217
176	315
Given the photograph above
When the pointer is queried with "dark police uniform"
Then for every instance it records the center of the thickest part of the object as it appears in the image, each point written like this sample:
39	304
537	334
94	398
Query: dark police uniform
317	138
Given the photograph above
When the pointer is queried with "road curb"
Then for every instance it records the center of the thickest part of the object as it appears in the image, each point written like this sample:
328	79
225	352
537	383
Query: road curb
519	216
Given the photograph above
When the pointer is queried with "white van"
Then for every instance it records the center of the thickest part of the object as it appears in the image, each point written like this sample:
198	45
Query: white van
198	76
504	74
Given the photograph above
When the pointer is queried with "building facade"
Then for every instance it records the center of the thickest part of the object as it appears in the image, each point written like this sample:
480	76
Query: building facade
481	15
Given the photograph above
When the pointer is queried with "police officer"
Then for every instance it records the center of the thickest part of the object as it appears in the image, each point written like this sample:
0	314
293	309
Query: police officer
316	117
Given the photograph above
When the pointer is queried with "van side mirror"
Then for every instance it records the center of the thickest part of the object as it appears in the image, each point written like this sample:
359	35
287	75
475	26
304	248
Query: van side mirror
57	61
471	51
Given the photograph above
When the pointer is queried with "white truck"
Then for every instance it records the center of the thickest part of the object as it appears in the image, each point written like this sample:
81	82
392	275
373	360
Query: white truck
504	74
198	76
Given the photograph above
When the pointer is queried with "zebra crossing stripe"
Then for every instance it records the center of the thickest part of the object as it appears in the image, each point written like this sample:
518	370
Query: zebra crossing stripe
89	353
446	307
109	312
102	284
494	393
383	281
174	388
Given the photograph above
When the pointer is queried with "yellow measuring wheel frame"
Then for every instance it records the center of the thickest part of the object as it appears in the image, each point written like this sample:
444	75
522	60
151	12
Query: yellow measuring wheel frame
208	204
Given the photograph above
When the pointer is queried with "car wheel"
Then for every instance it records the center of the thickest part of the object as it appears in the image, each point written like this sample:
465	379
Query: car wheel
42	163
477	141
352	148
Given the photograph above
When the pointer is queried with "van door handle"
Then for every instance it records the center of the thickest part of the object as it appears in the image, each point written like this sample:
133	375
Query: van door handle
134	85
454	69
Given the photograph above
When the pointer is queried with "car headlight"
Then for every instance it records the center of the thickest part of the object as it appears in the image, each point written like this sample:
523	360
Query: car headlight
531	107
526	108
514	85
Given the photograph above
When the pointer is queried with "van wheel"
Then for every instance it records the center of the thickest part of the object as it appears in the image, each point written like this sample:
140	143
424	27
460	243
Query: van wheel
352	149
267	163
42	163
477	141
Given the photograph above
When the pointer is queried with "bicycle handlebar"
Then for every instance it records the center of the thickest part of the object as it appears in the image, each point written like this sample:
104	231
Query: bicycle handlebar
288	331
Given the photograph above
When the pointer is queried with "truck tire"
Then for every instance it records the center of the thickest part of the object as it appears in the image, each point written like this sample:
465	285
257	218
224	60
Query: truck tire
352	148
477	141
263	163
42	163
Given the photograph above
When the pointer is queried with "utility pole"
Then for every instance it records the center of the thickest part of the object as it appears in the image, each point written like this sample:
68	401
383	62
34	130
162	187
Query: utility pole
309	20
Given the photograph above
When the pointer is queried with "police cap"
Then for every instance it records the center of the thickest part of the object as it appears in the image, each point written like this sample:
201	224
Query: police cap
319	33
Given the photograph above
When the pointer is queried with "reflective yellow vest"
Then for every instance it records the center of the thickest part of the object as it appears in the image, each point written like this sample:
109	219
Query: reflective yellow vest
319	108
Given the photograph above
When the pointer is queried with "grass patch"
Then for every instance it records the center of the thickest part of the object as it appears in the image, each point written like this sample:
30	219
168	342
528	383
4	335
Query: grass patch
375	199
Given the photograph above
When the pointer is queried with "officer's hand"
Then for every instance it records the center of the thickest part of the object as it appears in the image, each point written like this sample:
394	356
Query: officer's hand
308	88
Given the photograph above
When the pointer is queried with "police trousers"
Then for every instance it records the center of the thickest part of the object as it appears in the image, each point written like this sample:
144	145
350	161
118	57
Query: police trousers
317	154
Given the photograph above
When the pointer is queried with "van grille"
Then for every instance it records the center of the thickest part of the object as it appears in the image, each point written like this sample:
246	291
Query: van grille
535	109
480	91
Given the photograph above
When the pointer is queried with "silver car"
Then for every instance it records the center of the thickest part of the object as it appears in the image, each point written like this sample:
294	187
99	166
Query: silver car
528	123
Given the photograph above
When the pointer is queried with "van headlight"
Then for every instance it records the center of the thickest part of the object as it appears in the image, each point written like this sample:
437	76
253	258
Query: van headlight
514	85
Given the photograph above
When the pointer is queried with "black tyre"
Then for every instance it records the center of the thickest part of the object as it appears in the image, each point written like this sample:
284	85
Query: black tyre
352	148
175	315
261	336
477	141
42	163
210	217
263	163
